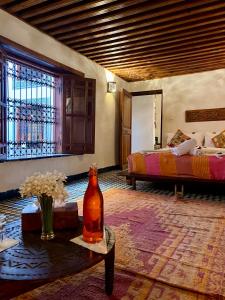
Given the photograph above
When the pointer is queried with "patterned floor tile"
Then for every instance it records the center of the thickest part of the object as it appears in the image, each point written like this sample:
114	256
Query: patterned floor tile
13	207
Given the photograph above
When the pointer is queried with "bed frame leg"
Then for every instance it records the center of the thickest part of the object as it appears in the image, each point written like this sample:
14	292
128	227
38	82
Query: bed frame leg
179	190
128	180
133	180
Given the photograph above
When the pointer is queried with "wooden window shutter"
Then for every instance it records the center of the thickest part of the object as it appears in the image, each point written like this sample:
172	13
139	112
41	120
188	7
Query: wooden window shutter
3	141
78	115
74	112
90	86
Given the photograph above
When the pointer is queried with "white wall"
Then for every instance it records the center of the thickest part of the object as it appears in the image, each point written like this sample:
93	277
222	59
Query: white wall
12	174
187	92
143	130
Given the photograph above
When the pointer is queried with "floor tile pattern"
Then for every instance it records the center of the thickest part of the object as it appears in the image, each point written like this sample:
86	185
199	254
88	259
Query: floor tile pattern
13	207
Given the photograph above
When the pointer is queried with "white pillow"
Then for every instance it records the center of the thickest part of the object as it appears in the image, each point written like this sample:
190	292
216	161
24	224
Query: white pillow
184	148
170	135
208	139
198	136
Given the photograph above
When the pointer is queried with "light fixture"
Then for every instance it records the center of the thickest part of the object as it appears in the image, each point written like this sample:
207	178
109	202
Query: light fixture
111	87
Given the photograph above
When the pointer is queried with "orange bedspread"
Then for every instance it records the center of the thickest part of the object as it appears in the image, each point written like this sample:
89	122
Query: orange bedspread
167	164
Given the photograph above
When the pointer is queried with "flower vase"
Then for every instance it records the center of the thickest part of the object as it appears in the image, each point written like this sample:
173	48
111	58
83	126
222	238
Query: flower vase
46	205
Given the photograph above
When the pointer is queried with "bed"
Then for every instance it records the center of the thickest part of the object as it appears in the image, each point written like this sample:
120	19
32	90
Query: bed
163	165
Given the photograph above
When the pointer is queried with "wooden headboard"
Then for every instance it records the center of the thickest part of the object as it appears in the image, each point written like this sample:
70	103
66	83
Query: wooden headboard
203	115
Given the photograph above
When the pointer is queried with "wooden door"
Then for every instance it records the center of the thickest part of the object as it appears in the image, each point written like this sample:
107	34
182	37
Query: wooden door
125	127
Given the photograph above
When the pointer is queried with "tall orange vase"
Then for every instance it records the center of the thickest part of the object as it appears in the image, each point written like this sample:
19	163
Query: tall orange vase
93	209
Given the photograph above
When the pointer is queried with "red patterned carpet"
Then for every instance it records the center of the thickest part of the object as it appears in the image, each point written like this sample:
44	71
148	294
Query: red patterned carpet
165	249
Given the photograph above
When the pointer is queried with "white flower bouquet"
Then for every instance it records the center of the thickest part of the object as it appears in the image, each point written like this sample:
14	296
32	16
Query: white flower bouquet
50	184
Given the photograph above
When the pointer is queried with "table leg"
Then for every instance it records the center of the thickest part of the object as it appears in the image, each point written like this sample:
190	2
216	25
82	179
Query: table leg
109	271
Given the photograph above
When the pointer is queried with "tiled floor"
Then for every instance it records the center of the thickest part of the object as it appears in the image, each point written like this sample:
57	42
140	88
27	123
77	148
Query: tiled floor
13	207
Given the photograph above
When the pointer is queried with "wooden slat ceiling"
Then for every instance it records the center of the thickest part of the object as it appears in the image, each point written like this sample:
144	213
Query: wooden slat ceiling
135	39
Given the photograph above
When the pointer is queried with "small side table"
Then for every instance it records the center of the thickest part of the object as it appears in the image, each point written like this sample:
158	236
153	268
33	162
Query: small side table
34	262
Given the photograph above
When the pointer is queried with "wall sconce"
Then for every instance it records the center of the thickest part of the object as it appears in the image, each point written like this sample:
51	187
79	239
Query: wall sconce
111	87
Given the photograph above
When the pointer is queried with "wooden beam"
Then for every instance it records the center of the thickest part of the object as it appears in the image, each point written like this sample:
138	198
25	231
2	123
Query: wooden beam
82	12
23	5
168	61
4	2
171	63
163	46
210	45
151	74
142	93
196	53
177	25
47	8
142	5
136	39
184	66
159	41
120	24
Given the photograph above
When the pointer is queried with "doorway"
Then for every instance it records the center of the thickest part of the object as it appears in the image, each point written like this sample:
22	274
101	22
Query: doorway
147	120
154	131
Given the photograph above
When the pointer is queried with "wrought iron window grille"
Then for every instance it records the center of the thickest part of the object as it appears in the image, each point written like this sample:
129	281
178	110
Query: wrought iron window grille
31	111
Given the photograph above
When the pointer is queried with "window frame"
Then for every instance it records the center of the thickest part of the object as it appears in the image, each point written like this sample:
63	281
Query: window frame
3	107
35	68
30	58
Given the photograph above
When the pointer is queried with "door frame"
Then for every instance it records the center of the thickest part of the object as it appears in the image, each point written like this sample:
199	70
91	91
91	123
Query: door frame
153	92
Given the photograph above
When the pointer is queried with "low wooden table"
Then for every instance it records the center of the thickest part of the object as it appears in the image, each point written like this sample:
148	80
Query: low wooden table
34	262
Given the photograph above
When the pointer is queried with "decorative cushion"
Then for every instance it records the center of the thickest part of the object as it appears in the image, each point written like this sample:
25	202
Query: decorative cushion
178	138
219	140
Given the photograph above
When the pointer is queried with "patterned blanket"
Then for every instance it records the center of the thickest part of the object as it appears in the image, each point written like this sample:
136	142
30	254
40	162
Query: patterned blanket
167	164
165	249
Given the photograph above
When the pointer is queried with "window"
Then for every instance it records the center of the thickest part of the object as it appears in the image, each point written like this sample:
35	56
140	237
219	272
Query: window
30	111
43	113
2	109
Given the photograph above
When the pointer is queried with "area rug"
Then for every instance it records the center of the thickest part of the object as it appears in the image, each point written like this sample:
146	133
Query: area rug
165	249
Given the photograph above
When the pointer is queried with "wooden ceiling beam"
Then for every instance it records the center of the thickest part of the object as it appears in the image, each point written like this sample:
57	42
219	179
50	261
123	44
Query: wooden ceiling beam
173	33
187	67
83	12
23	5
133	77
136	39
177	25
158	52
154	74
149	17
79	13
176	59
168	64
146	44
4	2
172	64
193	53
128	10
151	45
47	8
160	36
